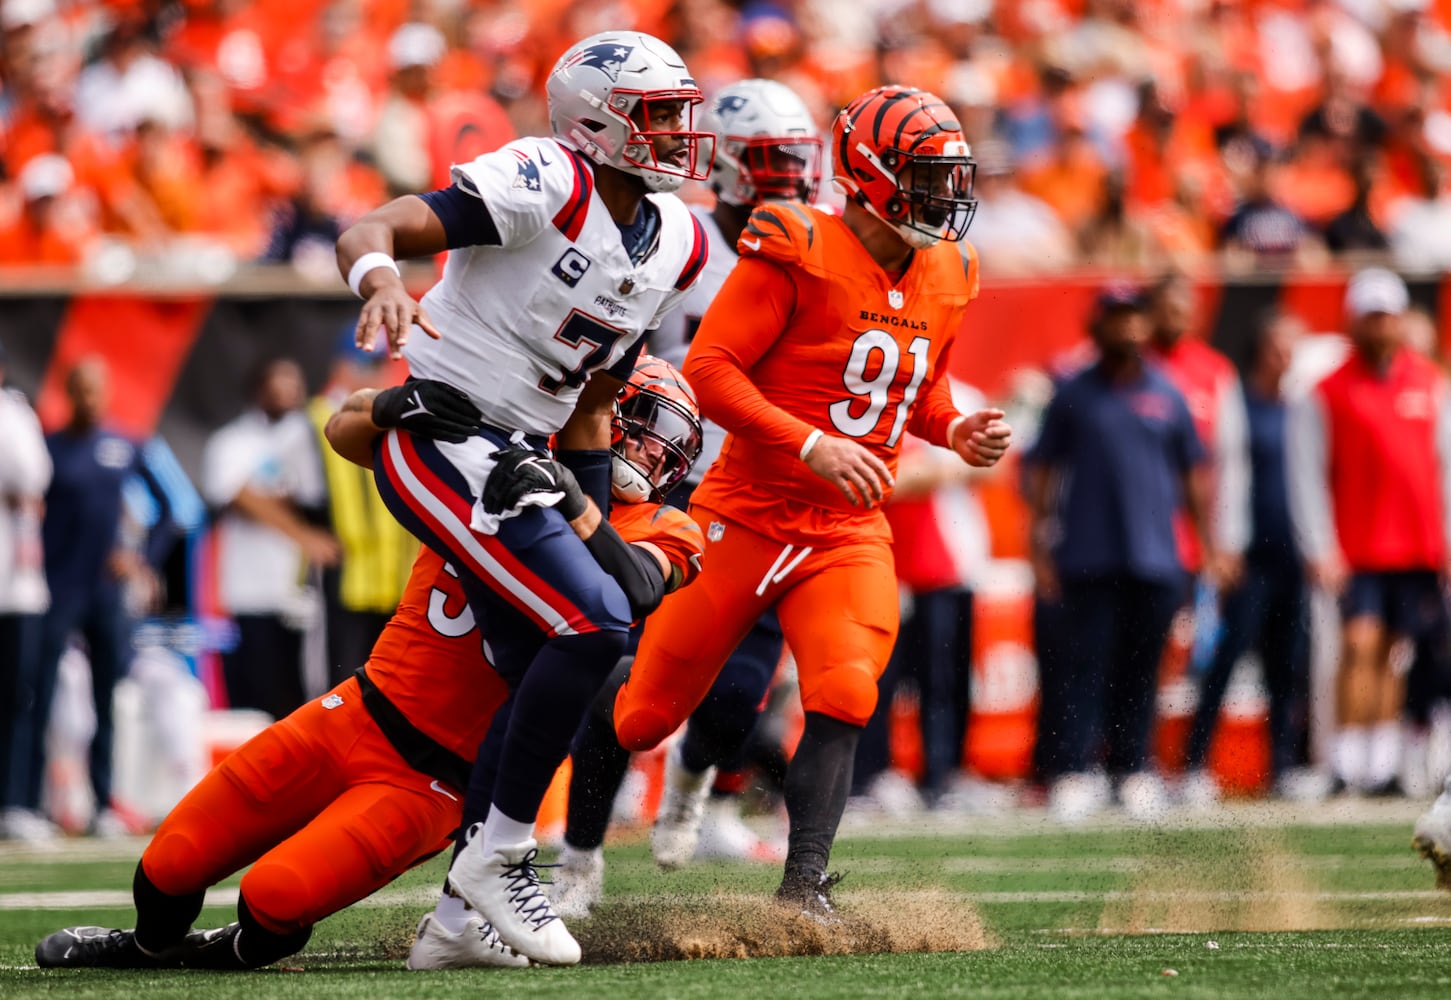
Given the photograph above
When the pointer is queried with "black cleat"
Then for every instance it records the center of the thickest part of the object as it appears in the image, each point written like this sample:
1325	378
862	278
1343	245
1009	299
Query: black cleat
810	893
96	948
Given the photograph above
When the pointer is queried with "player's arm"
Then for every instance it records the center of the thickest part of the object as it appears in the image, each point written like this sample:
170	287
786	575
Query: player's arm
421	406
583	443
367	252
748	315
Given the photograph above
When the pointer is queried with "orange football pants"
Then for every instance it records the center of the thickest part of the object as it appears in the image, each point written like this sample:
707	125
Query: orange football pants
324	806
837	607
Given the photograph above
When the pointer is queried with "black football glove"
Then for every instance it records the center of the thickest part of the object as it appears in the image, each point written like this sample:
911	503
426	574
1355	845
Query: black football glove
520	472
429	409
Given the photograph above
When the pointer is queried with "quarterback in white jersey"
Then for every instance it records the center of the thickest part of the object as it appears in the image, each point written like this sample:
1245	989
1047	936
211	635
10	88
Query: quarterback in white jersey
559	297
565	251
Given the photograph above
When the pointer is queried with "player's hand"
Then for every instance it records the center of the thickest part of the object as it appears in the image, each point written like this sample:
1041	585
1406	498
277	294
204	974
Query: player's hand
429	409
520	473
319	547
862	477
1329	572
391	309
1224	569
1045	577
982	438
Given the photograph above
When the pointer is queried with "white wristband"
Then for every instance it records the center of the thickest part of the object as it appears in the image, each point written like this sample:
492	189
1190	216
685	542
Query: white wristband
952	427
366	263
811	440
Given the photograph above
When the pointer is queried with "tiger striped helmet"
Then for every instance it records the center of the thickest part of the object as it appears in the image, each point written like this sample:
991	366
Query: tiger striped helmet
655	435
901	155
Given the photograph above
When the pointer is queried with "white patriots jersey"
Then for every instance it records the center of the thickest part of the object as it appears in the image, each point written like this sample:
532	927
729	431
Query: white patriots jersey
524	324
672	340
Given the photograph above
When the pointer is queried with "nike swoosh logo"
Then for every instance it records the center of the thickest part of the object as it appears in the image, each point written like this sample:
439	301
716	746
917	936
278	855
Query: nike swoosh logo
441	790
543	162
418	406
752	244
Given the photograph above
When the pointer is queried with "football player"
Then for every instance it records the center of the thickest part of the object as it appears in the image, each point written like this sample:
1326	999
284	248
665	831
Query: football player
566	250
352	789
828	341
767	149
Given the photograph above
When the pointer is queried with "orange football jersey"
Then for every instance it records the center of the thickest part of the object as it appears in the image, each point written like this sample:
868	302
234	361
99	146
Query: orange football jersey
430	662
809	332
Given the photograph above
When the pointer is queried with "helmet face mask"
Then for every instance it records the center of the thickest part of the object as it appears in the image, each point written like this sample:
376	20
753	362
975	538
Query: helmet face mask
626	100
655	434
902	157
768	147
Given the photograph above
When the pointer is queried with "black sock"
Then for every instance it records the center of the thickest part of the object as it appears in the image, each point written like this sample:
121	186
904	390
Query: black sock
243	945
162	920
600	764
817	783
551	701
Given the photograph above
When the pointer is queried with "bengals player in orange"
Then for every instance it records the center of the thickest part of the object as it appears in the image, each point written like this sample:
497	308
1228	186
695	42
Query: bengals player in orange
339	798
827	343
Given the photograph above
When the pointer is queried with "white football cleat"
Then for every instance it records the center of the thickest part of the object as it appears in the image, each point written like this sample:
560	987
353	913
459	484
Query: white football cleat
1143	797
476	947
503	886
723	834
579	881
1432	836
1199	791
1075	797
677	824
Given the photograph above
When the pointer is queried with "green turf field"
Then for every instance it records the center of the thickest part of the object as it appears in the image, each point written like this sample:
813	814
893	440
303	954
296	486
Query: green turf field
1260	902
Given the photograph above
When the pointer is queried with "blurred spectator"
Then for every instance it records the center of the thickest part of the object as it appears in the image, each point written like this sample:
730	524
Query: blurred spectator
1013	230
130	84
334	190
25	470
1420	229
1072	180
423	127
1116	457
52	226
1369	464
1113	238
1262	232
1211	387
263	475
400	140
1354	230
1268	610
362	591
89	567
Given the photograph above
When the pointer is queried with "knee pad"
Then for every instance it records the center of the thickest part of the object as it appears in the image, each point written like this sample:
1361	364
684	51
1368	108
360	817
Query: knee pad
174	862
278	897
846	691
641	727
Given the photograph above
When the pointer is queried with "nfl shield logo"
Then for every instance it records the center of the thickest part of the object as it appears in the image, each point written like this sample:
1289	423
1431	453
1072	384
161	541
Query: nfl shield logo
894	299
715	531
332	701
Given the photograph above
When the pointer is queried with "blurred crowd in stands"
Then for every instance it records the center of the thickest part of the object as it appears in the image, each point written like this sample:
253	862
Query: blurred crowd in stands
194	134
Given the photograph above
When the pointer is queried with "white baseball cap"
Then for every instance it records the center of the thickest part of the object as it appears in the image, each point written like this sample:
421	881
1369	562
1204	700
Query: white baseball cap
46	176
22	13
1376	290
415	44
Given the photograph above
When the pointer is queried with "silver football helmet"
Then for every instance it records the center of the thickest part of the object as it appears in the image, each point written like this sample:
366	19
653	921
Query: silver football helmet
613	94
767	146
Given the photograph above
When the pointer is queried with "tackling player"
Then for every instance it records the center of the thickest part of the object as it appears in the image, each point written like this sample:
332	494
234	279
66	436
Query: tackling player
565	252
352	789
827	342
767	149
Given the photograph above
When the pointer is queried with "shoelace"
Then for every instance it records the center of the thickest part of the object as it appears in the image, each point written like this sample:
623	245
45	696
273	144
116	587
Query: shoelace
529	902
491	940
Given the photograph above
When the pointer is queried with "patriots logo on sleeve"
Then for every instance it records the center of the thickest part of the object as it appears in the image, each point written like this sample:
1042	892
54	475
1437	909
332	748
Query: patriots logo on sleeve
606	57
528	174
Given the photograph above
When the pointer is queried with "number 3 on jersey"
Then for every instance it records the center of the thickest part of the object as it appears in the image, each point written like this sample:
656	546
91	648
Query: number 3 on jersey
592	339
878	349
